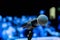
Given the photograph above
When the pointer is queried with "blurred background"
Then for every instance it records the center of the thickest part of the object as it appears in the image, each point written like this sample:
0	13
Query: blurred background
14	13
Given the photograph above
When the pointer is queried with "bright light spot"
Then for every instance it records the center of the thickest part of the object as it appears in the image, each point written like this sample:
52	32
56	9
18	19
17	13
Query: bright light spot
52	13
20	29
10	30
59	26
42	11
4	25
21	35
9	18
10	36
34	34
0	18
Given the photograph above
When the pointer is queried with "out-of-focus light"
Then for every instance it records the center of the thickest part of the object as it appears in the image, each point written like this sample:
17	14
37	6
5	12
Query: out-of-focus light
4	35
52	13
58	17
9	23
10	36
0	18
42	11
15	18
49	22
34	35
4	32
9	18
30	18
18	20
4	19
4	25
23	19
10	30
52	28
59	26
20	29
21	35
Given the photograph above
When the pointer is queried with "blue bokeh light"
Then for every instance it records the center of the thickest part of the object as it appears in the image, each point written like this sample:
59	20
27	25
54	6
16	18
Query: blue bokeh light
20	29
34	35
4	20
0	18
9	18
58	17
4	25
59	26
42	11
21	35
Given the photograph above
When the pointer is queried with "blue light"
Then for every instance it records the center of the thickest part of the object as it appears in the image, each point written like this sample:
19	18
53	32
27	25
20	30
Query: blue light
4	19
10	36
49	22
0	18
20	29
10	30
18	20
4	35
34	35
23	19
9	23
42	11
52	28
9	18
58	17
21	35
4	25
59	26
30	18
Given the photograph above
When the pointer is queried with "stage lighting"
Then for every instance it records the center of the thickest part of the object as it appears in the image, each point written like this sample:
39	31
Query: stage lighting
42	11
52	13
20	29
23	19
21	35
4	25
10	30
0	18
34	35
4	35
9	18
18	20
10	36
4	19
9	23
59	27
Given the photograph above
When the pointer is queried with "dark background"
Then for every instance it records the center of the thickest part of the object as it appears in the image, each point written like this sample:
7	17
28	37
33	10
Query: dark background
22	7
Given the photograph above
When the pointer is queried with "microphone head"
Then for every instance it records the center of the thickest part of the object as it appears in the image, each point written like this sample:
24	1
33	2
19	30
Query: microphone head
42	20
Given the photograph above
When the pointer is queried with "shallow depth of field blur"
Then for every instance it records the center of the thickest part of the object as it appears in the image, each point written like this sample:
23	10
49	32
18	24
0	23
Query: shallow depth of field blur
10	25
